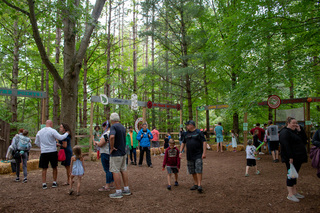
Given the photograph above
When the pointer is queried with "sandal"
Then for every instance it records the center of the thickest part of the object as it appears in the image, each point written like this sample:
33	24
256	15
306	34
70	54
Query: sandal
104	189
65	184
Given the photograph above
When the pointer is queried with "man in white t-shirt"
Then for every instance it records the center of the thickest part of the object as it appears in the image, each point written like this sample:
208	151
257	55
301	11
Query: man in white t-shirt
46	140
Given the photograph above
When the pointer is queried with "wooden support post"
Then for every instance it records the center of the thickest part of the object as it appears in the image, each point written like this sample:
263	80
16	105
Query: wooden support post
91	131
197	125
308	129
245	120
43	111
144	114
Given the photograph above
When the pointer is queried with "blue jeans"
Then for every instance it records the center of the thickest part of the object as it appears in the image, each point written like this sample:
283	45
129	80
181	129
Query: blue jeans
105	160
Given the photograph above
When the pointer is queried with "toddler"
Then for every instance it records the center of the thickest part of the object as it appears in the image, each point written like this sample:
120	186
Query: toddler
251	160
77	169
172	161
234	140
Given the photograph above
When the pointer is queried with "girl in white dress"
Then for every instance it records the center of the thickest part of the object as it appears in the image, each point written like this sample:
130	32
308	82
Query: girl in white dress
77	169
234	140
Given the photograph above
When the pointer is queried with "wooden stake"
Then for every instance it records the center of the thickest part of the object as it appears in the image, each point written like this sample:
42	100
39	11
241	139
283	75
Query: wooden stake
144	113
245	120
91	131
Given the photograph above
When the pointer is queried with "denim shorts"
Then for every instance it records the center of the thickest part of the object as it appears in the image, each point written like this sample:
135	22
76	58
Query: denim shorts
195	167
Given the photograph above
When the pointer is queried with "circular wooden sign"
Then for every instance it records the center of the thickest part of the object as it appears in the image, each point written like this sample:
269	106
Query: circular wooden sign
274	101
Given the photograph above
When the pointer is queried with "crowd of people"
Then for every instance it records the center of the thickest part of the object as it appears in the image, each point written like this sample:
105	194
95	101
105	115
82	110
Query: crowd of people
115	144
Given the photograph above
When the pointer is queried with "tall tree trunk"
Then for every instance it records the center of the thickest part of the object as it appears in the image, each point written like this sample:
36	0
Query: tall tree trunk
85	94
134	49
107	88
15	72
56	97
207	99
235	114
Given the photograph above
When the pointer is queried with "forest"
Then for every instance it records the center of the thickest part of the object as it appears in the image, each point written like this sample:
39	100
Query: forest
189	52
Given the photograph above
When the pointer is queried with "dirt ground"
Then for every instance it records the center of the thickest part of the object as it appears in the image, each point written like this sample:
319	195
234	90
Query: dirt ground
226	189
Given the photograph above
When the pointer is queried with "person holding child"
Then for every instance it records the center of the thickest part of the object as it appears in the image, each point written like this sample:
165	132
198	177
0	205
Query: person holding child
77	165
196	145
172	161
251	159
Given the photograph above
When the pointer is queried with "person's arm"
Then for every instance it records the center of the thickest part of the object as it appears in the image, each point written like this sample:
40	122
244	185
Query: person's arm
204	144
112	143
59	137
150	135
37	141
316	139
71	165
139	136
101	143
181	149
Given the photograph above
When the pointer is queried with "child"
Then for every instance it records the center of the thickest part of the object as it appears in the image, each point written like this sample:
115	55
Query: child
234	140
251	160
77	169
172	161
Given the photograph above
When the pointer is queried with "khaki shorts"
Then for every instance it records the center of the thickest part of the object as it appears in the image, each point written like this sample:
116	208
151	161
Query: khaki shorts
118	164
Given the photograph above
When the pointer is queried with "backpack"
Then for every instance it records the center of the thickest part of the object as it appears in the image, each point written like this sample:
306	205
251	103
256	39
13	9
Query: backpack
23	143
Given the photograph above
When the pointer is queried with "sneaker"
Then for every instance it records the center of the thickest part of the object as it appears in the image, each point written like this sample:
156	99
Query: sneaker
116	195
176	183
161	154
25	180
246	175
70	191
200	189
258	158
135	163
293	198
44	186
126	192
132	163
17	179
261	153
169	187
276	161
258	172
54	185
151	166
300	196
194	187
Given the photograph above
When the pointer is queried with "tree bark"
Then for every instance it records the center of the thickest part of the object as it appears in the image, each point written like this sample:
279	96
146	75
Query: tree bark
15	72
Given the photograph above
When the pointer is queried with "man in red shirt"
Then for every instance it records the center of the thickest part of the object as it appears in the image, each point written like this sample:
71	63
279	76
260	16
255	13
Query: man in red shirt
155	141
261	133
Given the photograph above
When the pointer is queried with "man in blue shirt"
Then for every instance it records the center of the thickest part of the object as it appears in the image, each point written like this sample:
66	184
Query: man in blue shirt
218	130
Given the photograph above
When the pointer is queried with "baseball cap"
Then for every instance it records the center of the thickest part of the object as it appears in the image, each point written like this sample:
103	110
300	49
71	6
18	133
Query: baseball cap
190	122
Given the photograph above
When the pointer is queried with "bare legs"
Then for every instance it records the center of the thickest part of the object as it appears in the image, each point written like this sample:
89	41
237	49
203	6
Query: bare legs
197	179
78	184
117	179
54	174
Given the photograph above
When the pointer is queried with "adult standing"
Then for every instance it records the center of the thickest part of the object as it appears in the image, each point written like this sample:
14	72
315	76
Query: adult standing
196	145
293	151
155	140
13	161
118	156
132	143
261	133
46	140
144	136
104	145
21	145
273	137
66	145
218	131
